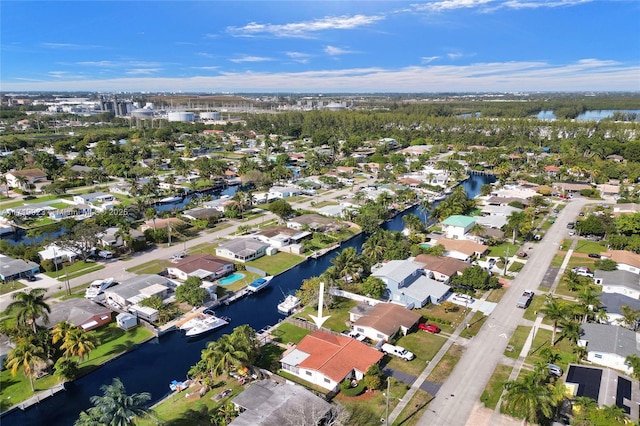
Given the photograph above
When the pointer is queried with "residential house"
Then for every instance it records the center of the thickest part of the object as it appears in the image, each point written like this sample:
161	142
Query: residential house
284	191
30	177
122	188
203	266
58	254
280	236
165	223
619	281
384	321
409	284
220	204
504	201
565	187
613	304
314	222
443	268
325	359
339	211
201	213
82	313
464	250
93	197
609	345
268	403
552	170
242	249
456	226
626	208
132	290
606	386
15	269
626	260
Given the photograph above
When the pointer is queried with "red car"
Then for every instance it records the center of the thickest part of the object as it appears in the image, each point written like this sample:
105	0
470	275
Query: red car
429	328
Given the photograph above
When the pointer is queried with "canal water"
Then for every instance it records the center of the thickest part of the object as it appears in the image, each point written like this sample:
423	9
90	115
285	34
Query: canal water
152	366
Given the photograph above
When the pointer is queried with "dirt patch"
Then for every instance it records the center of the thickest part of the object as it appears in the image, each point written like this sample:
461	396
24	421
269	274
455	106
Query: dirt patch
364	396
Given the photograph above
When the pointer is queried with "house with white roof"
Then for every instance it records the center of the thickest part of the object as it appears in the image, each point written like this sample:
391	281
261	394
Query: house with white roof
619	281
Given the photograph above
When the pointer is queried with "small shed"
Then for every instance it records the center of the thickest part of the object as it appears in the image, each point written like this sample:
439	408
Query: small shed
126	321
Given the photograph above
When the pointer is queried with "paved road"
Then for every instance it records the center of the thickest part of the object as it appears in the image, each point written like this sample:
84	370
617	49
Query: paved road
117	268
458	395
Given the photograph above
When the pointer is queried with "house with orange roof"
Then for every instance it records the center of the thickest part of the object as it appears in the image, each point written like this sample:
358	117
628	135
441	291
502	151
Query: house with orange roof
325	359
552	170
626	260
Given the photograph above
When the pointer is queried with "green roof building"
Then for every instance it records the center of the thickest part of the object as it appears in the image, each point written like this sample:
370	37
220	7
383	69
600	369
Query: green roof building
457	226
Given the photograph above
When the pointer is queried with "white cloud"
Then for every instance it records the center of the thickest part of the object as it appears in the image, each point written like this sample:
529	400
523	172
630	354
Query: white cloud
588	74
142	71
439	6
336	51
251	59
489	5
428	59
530	4
454	55
71	46
208	68
305	28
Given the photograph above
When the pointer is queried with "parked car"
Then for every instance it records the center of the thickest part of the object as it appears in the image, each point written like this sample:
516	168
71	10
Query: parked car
556	211
554	370
398	351
522	254
492	262
594	255
355	335
464	298
429	328
178	256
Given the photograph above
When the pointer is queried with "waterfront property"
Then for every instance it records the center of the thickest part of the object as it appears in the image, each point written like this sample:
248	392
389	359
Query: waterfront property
268	402
133	290
326	359
203	266
242	249
456	226
82	313
382	321
409	284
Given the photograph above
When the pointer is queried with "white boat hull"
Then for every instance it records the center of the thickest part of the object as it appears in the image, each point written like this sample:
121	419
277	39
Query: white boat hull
206	325
259	284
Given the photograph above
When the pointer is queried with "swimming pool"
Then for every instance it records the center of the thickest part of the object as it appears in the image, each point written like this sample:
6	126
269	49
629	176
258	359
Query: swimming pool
230	279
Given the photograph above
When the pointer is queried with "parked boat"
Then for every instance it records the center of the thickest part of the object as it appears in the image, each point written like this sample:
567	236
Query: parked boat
97	287
260	283
179	386
168	200
289	304
210	323
192	322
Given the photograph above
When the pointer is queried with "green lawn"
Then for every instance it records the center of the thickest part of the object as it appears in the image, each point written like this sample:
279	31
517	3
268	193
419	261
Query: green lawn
495	386
369	411
517	341
475	324
19	203
496	294
289	333
446	364
534	307
585	246
74	270
501	250
433	313
204	248
338	314
10	286
324	204
153	267
423	345
542	339
415	409
113	340
276	264
177	410
516	266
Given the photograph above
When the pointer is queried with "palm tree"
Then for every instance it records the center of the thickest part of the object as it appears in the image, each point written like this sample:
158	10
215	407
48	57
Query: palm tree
515	221
413	223
571	331
115	407
529	398
23	182
28	356
79	343
59	332
30	306
227	412
572	280
3	181
556	311
588	298
229	354
630	317
633	361
478	229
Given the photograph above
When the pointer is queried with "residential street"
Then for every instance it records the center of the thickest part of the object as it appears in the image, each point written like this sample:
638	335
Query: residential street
456	398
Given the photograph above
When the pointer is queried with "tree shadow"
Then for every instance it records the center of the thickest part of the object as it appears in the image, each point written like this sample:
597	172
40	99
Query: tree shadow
196	416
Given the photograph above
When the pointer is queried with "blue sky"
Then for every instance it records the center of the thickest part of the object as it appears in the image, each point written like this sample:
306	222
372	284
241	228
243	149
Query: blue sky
313	46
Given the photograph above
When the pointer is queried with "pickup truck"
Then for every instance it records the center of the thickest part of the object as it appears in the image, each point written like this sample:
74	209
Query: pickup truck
525	299
398	351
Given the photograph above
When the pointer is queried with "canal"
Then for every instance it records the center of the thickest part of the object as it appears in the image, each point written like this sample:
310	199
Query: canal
152	366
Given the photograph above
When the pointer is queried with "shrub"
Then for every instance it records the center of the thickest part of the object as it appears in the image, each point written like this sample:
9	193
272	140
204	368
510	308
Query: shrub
347	390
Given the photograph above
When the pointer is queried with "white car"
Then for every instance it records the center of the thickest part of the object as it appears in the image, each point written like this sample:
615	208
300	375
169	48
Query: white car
463	298
355	335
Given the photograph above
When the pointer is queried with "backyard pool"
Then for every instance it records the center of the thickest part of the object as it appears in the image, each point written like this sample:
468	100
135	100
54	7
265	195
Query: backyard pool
230	279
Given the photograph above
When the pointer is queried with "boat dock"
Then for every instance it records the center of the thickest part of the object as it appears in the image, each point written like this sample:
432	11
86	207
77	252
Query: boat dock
322	252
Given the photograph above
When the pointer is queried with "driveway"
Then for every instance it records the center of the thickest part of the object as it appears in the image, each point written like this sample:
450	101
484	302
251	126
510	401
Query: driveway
429	387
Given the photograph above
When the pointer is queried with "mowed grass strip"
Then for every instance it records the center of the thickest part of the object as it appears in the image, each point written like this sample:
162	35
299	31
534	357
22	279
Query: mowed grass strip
492	392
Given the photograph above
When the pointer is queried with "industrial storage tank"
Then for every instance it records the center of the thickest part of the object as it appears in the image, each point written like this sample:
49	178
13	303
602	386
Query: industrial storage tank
181	116
142	113
214	115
